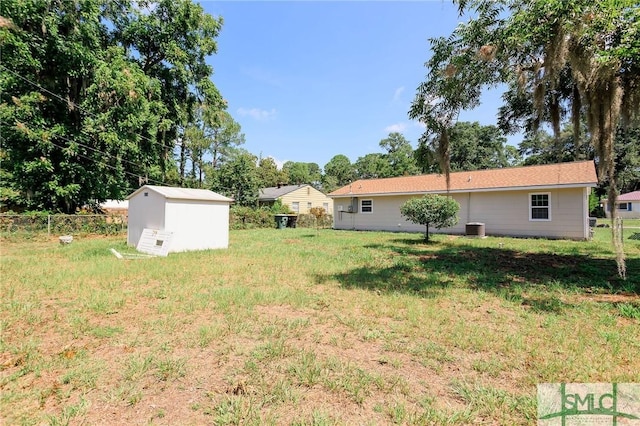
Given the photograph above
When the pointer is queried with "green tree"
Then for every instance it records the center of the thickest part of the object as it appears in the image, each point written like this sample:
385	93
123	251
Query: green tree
434	210
337	172
57	49
95	95
399	155
315	175
472	147
532	46
542	148
372	166
268	173
297	172
238	178
628	159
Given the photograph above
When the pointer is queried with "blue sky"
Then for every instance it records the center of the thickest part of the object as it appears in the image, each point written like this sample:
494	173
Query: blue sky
308	80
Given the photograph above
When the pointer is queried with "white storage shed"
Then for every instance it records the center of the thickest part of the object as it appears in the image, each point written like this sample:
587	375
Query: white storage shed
197	218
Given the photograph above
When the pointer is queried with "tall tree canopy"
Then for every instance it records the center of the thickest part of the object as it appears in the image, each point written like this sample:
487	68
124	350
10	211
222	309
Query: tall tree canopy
472	147
238	178
372	166
399	155
268	173
578	56
96	94
337	172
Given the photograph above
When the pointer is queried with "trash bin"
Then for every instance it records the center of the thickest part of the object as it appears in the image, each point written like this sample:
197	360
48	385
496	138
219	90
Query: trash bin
292	220
281	221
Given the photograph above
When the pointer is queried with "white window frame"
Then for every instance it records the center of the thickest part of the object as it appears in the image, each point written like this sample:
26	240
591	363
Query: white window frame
370	206
309	205
626	207
325	206
295	206
531	207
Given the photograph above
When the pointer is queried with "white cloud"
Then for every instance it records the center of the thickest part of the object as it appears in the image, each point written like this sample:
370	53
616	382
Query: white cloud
398	127
257	113
398	92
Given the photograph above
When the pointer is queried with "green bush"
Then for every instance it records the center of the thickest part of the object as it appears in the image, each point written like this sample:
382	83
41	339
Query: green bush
263	217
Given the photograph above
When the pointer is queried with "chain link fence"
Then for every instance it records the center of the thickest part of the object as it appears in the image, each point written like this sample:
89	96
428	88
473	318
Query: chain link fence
62	224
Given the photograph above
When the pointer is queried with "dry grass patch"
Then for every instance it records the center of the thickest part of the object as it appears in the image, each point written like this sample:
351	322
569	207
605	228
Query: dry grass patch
303	327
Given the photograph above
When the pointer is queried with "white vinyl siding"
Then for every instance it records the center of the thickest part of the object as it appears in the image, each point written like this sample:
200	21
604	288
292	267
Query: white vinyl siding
540	206
502	212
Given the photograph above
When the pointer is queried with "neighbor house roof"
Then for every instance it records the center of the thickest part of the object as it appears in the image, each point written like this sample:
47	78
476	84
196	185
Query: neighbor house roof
575	174
182	193
274	192
114	204
629	196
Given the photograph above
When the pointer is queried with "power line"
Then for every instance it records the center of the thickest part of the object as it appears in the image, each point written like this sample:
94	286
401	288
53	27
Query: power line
101	162
33	83
85	112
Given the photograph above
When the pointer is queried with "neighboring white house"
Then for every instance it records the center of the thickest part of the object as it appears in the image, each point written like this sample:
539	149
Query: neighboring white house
534	201
299	198
628	205
197	218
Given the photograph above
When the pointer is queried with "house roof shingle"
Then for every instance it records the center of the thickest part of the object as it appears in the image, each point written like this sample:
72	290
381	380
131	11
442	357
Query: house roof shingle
579	173
274	192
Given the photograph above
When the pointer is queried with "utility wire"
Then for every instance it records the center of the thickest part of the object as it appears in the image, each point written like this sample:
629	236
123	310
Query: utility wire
33	83
82	131
98	161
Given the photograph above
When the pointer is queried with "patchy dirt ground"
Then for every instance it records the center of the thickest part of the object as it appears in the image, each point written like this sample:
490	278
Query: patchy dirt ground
130	343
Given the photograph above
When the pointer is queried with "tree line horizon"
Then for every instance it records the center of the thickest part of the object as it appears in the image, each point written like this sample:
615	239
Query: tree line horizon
98	99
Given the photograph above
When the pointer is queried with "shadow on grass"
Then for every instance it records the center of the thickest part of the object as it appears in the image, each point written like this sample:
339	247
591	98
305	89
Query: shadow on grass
425	269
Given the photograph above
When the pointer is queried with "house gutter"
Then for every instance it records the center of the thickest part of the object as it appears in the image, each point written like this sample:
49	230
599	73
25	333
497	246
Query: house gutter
459	191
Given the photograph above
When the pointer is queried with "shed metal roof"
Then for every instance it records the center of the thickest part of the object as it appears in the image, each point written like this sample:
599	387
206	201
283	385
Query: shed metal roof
182	193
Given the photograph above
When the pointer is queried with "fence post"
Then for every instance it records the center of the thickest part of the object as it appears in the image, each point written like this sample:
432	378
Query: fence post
49	225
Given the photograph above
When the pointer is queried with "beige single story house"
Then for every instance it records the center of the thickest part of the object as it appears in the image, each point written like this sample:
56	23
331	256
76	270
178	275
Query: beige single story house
627	205
550	201
299	198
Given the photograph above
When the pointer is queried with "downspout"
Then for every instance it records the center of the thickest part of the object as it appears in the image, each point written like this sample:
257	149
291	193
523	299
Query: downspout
585	212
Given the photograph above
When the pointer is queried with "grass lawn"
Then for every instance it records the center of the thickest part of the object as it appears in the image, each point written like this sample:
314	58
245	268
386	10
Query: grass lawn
308	327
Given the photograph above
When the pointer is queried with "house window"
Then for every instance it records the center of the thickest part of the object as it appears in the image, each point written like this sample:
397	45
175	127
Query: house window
366	206
539	206
295	206
325	206
309	206
623	206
